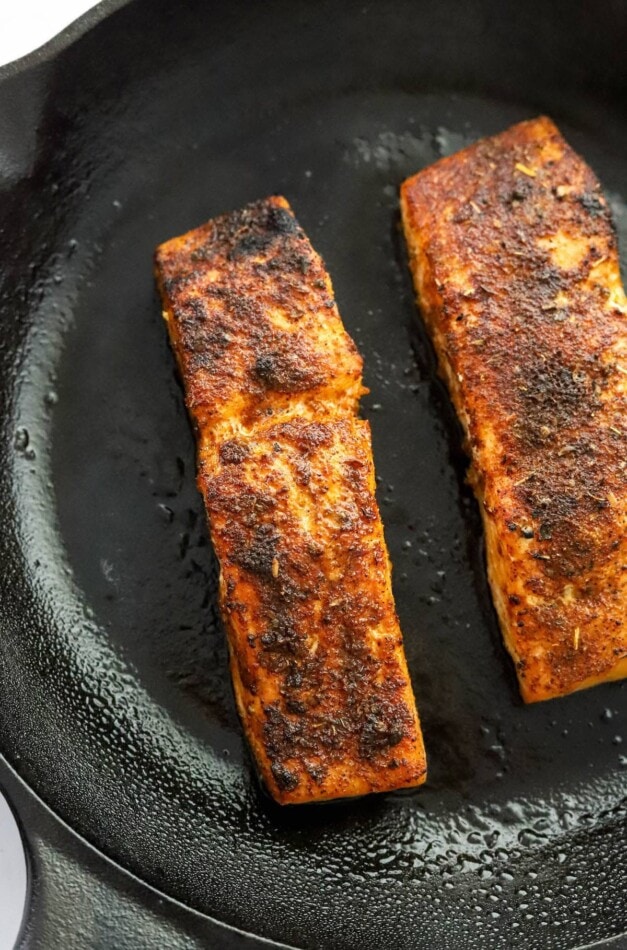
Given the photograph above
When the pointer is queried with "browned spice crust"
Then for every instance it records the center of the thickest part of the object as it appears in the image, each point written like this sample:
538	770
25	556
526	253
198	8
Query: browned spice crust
515	262
272	382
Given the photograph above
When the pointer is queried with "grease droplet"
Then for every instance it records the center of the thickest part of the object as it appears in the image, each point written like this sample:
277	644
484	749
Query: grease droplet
22	439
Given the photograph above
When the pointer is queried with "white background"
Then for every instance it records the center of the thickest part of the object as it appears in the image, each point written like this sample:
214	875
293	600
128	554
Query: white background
27	24
12	878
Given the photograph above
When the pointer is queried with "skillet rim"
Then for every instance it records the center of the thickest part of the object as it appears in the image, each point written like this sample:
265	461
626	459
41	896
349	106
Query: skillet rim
49	50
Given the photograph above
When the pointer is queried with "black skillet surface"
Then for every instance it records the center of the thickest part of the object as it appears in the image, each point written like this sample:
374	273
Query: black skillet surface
115	700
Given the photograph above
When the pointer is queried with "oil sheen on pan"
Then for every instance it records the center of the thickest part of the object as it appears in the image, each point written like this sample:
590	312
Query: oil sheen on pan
515	262
272	383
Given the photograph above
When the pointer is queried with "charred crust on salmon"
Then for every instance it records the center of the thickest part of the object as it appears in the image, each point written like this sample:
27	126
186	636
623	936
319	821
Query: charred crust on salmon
272	383
514	257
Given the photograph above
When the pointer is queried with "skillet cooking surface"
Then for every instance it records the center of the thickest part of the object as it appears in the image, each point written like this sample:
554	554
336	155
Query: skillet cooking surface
114	691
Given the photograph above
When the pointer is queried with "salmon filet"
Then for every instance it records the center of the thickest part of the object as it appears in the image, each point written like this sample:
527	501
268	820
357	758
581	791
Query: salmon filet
272	383
515	263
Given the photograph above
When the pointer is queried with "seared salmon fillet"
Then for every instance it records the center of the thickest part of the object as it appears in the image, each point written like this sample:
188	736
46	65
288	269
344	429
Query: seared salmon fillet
515	263
272	382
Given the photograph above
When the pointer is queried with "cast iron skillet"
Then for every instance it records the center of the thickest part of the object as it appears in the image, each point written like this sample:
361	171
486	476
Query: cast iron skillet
115	700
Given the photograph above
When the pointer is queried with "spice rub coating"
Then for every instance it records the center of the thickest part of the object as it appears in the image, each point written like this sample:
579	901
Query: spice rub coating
316	650
253	320
286	472
515	263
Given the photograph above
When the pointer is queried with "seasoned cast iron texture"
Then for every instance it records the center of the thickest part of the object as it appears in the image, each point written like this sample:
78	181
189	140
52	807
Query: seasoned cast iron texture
114	691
